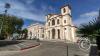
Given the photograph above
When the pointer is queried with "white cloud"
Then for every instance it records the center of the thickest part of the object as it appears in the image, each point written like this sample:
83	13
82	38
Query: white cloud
29	1
28	15
86	17
92	13
20	10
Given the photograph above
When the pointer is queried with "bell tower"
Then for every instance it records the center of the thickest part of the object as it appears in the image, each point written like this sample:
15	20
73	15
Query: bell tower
66	10
66	13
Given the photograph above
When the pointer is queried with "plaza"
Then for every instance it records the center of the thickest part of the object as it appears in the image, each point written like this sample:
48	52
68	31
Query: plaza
49	28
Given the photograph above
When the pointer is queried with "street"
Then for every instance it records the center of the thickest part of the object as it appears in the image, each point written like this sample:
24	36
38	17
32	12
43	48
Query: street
50	49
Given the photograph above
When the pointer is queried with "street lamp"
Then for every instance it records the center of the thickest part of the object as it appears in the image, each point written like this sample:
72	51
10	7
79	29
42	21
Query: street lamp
7	6
66	40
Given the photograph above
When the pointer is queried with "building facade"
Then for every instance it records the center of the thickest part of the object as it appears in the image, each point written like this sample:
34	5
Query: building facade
57	27
35	31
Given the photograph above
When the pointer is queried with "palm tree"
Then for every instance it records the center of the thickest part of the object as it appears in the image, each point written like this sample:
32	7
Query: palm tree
91	29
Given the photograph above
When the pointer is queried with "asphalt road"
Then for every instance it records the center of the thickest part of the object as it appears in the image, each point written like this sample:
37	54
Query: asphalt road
51	49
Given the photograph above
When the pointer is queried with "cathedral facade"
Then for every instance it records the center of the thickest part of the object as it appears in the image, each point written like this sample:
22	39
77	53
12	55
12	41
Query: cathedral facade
57	27
60	26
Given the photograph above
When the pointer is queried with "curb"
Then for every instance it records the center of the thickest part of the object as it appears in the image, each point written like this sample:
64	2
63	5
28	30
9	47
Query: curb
29	47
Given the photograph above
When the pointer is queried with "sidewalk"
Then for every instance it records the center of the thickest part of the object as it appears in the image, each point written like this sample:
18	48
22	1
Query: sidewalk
8	53
17	48
74	50
20	46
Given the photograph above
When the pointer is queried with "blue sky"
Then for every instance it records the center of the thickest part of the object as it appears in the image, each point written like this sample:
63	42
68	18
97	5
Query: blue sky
34	11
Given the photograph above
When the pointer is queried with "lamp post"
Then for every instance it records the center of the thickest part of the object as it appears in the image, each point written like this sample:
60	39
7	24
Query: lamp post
66	40
7	6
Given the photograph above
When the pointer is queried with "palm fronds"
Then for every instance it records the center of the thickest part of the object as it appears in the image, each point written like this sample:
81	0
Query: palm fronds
91	29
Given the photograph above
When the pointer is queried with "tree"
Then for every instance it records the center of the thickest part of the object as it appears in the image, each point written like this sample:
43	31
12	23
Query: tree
9	24
25	31
7	6
12	24
23	34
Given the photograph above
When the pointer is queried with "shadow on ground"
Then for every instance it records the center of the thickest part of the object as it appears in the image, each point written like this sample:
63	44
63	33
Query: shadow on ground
9	42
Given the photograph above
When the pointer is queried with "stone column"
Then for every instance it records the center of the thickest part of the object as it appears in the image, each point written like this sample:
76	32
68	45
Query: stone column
50	37
56	34
71	38
48	34
69	33
61	33
73	34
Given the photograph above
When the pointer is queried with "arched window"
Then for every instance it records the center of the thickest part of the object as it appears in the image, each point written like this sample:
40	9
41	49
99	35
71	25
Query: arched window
58	21
64	10
58	34
48	23
64	28
53	22
48	33
42	35
53	33
64	21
